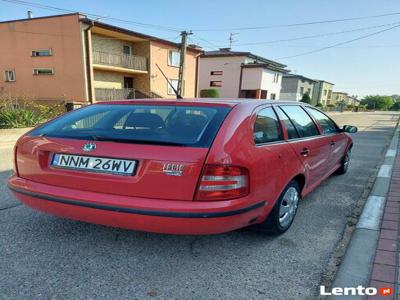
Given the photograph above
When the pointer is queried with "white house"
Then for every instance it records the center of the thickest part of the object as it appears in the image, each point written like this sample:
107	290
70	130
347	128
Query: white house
240	74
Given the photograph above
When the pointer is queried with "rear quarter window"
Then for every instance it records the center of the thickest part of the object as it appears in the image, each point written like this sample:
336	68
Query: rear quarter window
266	127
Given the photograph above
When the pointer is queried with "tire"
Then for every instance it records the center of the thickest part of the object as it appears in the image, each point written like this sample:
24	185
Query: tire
344	166
282	215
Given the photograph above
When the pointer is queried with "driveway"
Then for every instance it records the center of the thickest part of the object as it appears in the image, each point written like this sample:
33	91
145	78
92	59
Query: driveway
44	257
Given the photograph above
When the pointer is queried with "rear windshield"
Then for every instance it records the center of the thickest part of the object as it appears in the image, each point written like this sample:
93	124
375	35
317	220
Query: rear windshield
194	126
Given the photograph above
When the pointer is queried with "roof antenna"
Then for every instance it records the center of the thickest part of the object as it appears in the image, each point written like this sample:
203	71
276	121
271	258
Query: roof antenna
170	84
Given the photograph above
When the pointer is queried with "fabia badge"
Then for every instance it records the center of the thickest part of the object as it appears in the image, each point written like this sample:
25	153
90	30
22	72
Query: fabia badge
89	147
173	169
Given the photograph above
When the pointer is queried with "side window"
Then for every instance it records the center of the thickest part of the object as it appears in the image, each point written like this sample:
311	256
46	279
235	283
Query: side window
291	130
328	126
301	120
266	127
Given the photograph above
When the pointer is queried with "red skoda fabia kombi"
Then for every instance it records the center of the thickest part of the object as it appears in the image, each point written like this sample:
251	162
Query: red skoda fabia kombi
180	166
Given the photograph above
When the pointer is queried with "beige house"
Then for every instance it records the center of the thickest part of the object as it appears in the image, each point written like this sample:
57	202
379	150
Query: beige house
322	93
338	97
348	100
71	57
240	74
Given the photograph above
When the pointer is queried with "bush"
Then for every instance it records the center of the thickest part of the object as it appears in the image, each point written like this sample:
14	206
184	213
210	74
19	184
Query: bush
20	112
331	105
306	98
209	93
319	104
19	117
350	106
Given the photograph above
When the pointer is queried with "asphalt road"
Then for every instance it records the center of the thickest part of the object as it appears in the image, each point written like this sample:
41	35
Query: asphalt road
44	257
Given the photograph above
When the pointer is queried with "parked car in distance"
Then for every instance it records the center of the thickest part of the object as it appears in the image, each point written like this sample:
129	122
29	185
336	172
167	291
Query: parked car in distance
199	166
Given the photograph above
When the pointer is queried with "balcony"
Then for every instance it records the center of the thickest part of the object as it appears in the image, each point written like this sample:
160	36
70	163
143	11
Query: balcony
119	62
103	94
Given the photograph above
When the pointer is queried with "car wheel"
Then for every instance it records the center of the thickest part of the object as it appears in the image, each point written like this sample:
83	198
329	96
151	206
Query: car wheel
345	163
284	211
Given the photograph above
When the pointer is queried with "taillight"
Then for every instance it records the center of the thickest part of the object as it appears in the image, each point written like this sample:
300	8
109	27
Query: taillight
222	182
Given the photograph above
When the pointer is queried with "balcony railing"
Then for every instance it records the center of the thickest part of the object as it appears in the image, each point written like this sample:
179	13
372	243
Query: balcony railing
133	62
120	94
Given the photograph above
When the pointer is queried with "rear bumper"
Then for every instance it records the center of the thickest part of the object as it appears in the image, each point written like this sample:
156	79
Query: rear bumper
153	215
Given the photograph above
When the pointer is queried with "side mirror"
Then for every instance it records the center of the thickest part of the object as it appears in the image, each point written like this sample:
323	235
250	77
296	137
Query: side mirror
350	129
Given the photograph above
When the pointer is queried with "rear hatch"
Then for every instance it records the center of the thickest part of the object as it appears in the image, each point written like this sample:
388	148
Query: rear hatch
142	150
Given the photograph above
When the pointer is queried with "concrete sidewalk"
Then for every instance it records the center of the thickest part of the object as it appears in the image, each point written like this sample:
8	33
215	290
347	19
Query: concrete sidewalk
8	137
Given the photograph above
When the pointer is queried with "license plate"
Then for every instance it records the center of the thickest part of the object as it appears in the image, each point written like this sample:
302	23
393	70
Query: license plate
94	164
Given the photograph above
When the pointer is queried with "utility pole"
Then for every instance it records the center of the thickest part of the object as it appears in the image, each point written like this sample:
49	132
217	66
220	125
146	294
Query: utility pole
231	40
184	35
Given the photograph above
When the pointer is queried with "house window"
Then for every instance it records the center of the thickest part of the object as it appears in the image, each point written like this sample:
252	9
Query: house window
174	83
273	96
43	71
127	49
9	75
216	83
174	58
325	92
309	91
43	52
276	78
217	73
302	91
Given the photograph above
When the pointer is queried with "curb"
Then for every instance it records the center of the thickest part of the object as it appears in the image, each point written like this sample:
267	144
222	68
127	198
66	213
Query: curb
356	266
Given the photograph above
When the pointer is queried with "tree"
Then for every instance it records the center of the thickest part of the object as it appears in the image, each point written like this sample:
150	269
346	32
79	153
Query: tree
378	102
395	106
396	98
306	98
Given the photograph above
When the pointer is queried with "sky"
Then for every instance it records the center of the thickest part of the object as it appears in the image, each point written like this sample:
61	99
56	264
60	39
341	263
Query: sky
367	66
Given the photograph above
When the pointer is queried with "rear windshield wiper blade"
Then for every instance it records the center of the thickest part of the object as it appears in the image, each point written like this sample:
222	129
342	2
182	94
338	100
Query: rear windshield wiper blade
134	141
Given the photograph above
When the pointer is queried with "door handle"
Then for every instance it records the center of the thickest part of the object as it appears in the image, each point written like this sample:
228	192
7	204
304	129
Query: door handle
333	143
305	152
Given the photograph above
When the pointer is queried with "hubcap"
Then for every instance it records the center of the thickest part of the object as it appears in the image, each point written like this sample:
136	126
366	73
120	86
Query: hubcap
288	206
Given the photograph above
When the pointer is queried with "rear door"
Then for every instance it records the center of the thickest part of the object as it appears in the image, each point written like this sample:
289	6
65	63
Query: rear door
307	142
333	135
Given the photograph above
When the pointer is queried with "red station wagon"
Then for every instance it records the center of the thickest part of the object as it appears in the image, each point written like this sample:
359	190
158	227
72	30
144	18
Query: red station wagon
180	166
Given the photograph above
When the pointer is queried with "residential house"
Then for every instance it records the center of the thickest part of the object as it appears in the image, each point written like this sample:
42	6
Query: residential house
340	97
71	57
352	100
295	86
322	93
240	74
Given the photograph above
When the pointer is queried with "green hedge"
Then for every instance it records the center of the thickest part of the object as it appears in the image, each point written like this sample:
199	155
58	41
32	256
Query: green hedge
209	93
23	113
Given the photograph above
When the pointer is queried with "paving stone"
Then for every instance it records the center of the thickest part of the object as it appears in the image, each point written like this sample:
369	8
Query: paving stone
383	273
389	234
391	217
393	225
388	245
385	257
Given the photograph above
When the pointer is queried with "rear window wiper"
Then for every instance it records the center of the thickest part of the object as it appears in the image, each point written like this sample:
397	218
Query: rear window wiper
134	141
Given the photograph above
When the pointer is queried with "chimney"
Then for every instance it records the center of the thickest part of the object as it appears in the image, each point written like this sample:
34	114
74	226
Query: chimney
30	15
